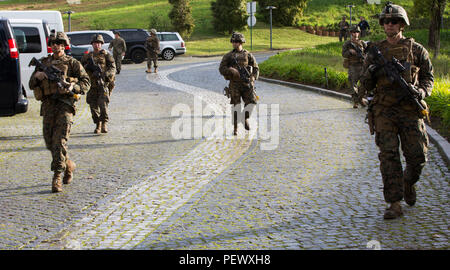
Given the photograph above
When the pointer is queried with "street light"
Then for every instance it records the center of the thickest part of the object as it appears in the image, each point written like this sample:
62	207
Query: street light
270	12
350	6
69	13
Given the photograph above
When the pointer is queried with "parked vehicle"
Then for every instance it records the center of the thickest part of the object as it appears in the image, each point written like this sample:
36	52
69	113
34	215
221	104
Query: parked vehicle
77	52
52	17
31	36
171	44
83	38
13	98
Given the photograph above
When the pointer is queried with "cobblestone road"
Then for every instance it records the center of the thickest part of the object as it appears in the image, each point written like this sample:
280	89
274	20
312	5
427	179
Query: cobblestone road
139	188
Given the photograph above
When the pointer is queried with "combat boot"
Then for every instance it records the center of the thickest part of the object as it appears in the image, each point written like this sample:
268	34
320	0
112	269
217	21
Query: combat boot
68	174
355	105
394	211
104	128
57	182
409	193
156	70
149	70
97	128
246	124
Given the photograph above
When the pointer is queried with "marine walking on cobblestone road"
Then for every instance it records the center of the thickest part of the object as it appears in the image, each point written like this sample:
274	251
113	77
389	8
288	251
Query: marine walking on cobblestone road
398	109
119	48
353	53
153	49
240	68
100	66
58	86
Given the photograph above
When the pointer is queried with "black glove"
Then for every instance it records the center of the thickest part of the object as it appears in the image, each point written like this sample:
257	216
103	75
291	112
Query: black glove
418	93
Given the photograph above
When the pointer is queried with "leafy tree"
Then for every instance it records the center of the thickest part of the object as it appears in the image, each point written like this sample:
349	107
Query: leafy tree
288	12
229	15
181	17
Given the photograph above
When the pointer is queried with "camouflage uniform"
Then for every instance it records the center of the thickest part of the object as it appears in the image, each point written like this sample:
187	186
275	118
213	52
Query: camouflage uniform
119	47
343	27
58	110
355	65
396	121
238	88
152	47
98	96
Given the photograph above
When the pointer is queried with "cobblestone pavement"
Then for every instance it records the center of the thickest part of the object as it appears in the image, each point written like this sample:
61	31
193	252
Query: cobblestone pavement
320	188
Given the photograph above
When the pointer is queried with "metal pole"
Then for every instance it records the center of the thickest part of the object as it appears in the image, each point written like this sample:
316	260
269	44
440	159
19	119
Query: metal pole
251	26
70	28
270	28
350	6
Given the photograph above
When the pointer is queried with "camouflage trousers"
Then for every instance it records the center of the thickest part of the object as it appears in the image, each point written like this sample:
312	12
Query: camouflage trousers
152	58
98	101
354	74
118	61
397	128
238	91
57	122
343	34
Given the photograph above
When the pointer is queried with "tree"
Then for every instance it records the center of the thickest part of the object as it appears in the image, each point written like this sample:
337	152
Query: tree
437	13
288	12
229	15
181	17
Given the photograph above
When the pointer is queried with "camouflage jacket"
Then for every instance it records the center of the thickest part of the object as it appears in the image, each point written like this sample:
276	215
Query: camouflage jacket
353	57
419	70
243	58
107	64
118	45
152	44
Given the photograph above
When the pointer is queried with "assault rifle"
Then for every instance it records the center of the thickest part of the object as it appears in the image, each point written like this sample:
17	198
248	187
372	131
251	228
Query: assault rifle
392	70
358	50
97	71
54	75
245	75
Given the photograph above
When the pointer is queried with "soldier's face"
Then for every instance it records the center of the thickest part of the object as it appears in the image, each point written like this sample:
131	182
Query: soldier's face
355	35
392	27
236	45
96	46
58	47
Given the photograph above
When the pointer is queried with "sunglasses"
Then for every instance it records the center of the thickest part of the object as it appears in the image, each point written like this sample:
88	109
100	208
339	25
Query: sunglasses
391	21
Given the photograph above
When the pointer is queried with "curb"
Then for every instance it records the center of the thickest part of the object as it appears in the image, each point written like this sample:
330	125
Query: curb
441	143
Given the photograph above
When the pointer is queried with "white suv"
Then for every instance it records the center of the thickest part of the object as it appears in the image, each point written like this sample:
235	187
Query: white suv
171	44
83	38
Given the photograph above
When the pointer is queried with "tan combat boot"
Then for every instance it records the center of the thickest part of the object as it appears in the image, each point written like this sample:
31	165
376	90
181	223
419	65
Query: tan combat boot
394	211
68	174
149	70
57	182
355	105
104	128
156	70
97	128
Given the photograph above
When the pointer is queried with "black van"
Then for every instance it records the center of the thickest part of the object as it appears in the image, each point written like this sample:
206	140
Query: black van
13	98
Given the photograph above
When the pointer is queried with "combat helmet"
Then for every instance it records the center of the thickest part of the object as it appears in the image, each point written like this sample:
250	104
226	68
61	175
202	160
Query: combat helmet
58	36
354	28
153	31
237	37
393	11
97	38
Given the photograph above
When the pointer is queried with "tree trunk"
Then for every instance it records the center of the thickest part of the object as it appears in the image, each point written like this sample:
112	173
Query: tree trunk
437	12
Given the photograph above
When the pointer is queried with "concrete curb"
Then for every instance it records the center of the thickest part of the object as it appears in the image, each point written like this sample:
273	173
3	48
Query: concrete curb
441	143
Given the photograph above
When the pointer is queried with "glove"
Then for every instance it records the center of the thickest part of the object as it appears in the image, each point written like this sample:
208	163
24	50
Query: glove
234	73
66	88
418	93
40	76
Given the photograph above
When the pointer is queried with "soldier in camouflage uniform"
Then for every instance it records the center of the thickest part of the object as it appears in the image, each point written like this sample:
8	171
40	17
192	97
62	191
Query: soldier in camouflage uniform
396	121
152	47
353	53
58	105
238	88
343	28
102	84
119	48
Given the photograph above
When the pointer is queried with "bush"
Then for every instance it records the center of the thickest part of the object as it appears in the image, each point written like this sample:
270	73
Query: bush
229	15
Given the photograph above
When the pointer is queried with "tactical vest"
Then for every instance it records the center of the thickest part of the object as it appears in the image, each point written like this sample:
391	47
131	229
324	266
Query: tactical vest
48	87
388	93
99	59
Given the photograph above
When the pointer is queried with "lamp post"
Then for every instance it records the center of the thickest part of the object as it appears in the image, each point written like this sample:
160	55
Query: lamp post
350	6
69	13
270	16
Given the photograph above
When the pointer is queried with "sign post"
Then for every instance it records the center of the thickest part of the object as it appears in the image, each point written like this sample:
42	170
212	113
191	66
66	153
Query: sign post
251	8
270	10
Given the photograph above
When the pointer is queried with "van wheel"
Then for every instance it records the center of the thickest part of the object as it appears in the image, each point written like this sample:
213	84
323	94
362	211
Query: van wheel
168	54
138	56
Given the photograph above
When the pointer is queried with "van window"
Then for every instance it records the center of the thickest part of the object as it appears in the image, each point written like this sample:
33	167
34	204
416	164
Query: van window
170	37
4	47
28	39
106	38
